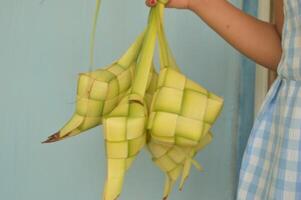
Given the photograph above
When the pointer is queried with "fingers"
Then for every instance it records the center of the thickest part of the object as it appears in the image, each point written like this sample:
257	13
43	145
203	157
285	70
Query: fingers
151	3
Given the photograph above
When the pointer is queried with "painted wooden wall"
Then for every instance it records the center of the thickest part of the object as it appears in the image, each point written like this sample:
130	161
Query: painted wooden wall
44	44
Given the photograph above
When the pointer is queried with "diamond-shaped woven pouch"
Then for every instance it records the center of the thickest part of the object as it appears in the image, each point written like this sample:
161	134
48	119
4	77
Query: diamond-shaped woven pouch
99	91
182	111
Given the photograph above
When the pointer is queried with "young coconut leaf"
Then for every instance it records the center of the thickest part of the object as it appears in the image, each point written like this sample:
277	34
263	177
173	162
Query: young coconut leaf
125	126
188	108
174	160
99	92
170	156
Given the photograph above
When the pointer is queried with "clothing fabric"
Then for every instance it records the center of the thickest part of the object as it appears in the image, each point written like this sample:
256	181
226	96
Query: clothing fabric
271	166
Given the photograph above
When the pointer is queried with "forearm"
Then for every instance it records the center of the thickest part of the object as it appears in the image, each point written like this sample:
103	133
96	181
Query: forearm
256	39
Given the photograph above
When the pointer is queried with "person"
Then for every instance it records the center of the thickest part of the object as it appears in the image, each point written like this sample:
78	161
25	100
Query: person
271	165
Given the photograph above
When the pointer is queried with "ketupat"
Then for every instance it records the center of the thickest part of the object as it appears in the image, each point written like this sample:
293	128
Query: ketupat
125	126
135	106
99	92
188	108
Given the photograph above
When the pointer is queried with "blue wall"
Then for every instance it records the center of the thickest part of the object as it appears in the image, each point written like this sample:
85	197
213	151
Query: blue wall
44	45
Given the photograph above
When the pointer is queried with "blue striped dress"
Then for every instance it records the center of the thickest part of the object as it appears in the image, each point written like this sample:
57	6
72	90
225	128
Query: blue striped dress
271	166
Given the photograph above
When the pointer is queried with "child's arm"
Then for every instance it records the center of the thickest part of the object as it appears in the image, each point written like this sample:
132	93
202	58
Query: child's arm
256	39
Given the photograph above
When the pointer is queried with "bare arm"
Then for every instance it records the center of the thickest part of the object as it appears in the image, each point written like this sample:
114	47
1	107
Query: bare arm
258	40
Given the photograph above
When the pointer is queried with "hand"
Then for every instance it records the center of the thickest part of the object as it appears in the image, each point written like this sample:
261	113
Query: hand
180	4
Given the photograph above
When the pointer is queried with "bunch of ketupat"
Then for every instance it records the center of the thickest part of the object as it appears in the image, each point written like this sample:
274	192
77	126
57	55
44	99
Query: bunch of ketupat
135	104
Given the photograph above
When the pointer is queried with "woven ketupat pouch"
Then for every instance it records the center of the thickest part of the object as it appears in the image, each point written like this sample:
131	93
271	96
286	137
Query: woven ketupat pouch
182	111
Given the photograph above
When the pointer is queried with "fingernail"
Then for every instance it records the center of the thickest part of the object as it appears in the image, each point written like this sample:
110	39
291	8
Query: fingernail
152	2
